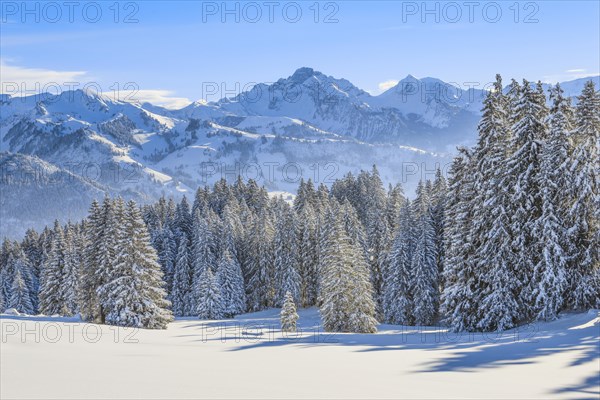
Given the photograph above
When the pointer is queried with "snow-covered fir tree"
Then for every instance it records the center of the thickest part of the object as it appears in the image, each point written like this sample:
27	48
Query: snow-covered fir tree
438	205
549	278
71	270
583	216
20	298
180	292
33	249
288	316
111	220
326	224
137	294
210	303
395	201
524	164
89	305
308	255
231	283
347	303
183	223
165	246
285	244
353	227
459	304
6	269
496	292
399	279
19	262
260	289
425	288
204	248
52	288
306	196
373	202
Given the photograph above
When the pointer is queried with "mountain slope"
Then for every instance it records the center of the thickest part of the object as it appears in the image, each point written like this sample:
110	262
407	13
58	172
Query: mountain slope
34	192
308	125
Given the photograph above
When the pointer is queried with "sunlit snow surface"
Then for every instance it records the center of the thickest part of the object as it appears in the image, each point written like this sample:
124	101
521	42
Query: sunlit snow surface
46	357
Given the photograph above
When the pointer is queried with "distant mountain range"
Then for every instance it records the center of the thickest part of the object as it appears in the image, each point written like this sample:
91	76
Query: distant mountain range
60	151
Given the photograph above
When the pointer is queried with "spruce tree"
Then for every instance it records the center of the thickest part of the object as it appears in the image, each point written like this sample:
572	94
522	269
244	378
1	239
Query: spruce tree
111	220
52	293
231	283
19	262
6	269
180	292
583	216
529	130
462	280
346	292
438	206
89	306
138	298
425	270
183	222
285	246
491	229
204	249
326	224
166	255
289	316
71	270
399	280
549	278
308	256
395	201
261	289
372	207
20	298
210	303
32	247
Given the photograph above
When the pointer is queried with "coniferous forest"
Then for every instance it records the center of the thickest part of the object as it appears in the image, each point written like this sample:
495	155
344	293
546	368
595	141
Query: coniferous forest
510	236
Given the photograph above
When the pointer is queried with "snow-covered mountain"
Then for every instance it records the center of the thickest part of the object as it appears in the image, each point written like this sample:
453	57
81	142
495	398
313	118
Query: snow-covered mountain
34	192
308	125
423	113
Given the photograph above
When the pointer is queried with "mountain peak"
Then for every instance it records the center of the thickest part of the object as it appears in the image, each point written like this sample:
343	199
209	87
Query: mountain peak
302	74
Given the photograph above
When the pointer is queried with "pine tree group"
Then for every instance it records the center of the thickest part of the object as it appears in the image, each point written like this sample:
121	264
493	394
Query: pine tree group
289	316
347	303
522	212
512	236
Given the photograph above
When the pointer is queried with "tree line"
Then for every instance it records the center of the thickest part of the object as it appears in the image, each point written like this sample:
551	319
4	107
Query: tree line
522	218
511	237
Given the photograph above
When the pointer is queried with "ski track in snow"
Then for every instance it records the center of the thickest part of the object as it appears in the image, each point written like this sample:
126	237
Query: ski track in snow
248	357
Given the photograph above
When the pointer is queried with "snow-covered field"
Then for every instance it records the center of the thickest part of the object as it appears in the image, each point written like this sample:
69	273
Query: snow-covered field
44	357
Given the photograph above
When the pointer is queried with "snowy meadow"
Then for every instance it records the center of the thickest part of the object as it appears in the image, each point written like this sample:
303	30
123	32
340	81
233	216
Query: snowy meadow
342	199
249	354
348	291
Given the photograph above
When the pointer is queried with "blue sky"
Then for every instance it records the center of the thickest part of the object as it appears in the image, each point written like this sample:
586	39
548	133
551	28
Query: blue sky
174	49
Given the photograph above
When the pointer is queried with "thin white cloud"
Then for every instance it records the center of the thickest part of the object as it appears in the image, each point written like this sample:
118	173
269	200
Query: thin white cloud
22	81
19	81
568	75
383	86
163	98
